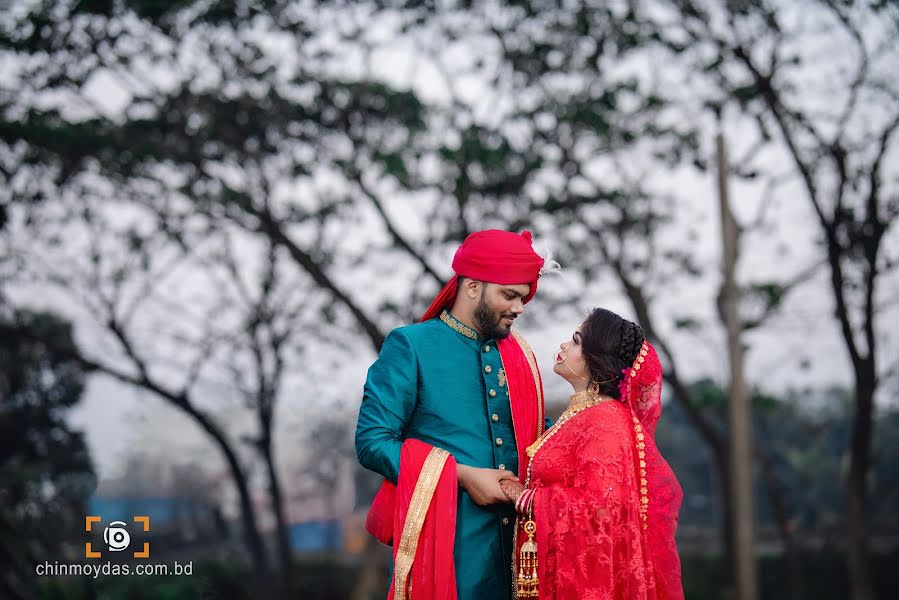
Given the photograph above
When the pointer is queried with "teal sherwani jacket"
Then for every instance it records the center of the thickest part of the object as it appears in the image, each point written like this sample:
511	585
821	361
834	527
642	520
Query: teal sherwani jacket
437	382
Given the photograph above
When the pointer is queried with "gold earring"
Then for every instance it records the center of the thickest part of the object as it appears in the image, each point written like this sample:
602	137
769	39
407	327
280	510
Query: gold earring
595	384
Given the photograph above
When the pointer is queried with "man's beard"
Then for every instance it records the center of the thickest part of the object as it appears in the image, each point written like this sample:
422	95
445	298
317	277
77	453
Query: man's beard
489	323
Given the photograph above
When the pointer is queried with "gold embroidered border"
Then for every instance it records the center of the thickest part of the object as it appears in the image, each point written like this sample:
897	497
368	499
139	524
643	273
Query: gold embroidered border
515	557
541	424
415	519
641	457
458	326
640	438
638	362
532	362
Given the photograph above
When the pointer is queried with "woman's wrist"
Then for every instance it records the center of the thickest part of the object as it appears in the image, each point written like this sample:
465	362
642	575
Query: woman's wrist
524	504
511	488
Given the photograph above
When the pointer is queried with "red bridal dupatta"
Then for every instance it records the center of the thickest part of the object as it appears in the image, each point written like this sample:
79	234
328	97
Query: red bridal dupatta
605	503
423	507
420	511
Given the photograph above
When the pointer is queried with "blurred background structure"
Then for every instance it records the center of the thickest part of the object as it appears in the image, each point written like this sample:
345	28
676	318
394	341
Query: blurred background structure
211	214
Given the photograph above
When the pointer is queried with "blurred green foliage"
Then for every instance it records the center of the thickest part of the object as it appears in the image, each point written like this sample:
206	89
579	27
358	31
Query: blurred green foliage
46	475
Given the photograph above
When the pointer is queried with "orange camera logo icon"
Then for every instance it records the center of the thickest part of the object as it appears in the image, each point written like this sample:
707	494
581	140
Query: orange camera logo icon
116	536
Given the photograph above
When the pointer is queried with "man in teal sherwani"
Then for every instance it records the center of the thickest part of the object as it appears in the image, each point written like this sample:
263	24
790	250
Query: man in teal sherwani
463	381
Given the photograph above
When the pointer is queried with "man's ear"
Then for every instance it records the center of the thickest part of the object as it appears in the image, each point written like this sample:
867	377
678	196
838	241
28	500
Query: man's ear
472	287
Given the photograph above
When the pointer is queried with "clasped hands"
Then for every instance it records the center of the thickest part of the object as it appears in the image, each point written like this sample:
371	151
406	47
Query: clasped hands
489	486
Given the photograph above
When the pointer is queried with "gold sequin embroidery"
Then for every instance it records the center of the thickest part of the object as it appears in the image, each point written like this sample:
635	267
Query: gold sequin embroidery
458	326
644	491
640	437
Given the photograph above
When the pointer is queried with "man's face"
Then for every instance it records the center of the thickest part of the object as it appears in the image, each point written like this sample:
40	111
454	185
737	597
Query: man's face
498	307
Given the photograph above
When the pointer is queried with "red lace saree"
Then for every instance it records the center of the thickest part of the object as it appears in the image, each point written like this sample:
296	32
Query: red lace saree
605	501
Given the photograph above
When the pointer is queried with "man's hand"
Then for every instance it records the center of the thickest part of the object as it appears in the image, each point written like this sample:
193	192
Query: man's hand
483	484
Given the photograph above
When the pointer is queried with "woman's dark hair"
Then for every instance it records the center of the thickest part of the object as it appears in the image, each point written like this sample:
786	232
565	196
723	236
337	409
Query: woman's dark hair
610	345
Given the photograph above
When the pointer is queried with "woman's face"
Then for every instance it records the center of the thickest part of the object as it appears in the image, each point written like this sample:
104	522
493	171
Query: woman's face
570	363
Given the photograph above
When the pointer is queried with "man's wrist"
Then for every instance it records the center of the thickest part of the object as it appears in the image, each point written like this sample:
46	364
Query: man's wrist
462	472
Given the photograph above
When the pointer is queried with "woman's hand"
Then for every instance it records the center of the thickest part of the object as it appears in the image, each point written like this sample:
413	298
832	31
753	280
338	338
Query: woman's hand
512	488
484	485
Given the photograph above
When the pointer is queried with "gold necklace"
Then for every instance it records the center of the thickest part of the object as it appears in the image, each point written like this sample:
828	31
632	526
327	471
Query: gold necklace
578	402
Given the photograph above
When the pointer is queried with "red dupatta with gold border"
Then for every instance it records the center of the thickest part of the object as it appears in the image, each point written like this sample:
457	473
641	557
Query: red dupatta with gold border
425	524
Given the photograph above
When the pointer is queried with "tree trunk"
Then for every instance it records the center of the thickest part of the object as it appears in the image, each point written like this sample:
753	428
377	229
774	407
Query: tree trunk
252	538
862	585
865	371
739	408
721	461
285	555
779	509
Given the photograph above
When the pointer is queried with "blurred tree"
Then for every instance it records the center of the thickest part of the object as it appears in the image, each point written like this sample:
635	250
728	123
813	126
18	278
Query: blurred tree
739	422
804	435
231	337
762	57
258	357
329	459
218	144
46	476
132	359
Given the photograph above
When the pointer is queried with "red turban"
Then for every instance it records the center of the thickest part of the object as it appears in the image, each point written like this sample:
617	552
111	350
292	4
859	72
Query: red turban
494	256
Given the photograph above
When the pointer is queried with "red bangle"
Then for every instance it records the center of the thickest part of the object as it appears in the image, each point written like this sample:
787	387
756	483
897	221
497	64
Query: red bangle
520	502
525	501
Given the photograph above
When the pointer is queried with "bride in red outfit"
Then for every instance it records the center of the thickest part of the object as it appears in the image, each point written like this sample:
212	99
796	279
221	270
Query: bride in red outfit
598	507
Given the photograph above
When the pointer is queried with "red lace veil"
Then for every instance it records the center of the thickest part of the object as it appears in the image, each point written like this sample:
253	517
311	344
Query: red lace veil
641	387
660	492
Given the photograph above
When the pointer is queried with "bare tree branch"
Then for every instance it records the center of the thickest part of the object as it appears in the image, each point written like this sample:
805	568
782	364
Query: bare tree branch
398	239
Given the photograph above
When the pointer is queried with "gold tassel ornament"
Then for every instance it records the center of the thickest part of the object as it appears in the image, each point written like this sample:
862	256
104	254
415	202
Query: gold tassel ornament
528	583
